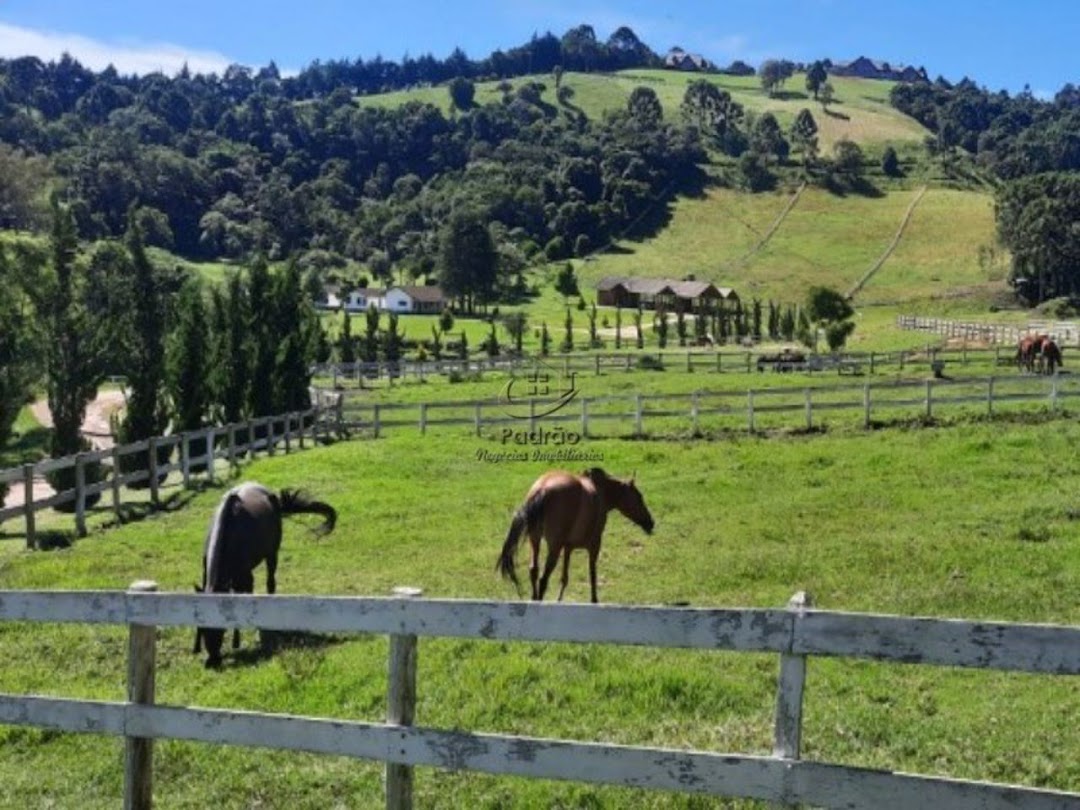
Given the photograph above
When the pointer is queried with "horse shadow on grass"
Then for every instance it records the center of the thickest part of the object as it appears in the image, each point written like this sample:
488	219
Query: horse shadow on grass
273	641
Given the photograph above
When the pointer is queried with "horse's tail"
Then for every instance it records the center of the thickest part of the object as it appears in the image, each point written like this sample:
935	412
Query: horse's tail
526	517
296	501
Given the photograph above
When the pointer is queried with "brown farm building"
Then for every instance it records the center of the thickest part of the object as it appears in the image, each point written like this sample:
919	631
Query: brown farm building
662	293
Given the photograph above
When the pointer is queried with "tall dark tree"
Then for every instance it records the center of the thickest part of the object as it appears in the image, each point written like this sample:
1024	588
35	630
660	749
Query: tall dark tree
78	340
186	360
816	76
147	414
20	348
231	376
462	93
644	106
295	329
467	260
262	320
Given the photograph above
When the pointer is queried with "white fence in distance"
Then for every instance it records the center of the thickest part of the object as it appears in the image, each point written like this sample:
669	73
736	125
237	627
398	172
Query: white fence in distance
757	409
1065	333
795	634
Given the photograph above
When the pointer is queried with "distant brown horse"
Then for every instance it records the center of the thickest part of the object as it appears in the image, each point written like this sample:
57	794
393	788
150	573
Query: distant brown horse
1029	351
245	531
1049	356
570	511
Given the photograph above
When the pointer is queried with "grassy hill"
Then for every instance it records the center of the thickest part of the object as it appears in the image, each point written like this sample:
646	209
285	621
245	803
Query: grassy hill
861	111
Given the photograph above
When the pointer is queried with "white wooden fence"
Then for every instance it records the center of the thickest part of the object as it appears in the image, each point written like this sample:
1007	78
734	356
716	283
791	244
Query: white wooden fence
369	374
754	410
288	432
1065	333
795	634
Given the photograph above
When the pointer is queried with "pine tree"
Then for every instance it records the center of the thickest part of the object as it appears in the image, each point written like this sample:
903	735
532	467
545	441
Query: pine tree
568	336
146	413
296	329
186	366
346	343
262	320
370	353
545	340
618	327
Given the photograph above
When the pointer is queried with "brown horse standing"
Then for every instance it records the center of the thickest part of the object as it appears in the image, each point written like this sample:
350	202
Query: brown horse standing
1029	352
1049	356
245	531
571	512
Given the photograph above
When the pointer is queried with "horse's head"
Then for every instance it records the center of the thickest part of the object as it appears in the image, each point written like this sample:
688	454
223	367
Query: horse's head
631	503
214	638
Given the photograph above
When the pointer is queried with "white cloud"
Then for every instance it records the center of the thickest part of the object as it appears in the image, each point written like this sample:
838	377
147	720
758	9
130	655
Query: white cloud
126	56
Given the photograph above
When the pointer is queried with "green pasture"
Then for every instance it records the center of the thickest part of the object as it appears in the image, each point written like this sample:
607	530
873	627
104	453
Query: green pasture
925	521
860	112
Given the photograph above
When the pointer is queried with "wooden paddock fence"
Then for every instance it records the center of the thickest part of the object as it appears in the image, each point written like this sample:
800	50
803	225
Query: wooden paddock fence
1065	333
754	410
368	374
269	434
795	634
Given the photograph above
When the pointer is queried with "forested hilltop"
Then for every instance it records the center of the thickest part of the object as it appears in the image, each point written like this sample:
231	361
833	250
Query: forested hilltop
253	163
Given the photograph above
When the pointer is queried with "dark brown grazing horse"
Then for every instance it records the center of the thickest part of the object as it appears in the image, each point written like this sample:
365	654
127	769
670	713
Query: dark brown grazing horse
245	531
571	512
1049	356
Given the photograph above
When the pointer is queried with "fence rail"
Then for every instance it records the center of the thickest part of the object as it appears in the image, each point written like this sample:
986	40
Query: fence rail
362	373
1065	333
795	634
230	443
753	410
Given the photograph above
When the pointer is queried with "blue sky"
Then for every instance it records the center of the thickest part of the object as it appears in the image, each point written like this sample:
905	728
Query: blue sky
1002	44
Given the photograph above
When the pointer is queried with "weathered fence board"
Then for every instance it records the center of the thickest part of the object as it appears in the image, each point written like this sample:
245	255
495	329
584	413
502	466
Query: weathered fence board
736	775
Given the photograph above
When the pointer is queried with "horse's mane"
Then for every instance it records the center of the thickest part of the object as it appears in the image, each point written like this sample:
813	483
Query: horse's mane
597	475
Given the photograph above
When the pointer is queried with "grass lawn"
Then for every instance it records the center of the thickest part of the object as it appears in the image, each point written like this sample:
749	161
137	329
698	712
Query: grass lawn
915	522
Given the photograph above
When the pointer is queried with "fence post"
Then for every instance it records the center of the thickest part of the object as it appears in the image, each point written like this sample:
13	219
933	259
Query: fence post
694	413
637	415
787	730
597	357
423	418
401	706
28	504
209	455
871	364
584	417
750	410
80	495
270	435
376	421
339	409
185	458
748	362
115	454
479	422
151	456
929	399
719	361
232	445
990	397
809	411
532	414
139	751
689	367
866	406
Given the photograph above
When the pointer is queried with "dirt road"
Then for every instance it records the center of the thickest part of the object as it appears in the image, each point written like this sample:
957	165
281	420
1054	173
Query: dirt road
95	427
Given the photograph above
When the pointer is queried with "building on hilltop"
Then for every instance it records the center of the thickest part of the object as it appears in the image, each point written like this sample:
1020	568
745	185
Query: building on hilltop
678	59
866	68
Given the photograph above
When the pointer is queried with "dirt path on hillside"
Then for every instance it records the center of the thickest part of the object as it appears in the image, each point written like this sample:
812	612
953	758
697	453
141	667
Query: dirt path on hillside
95	427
